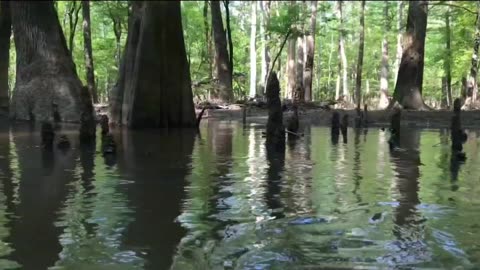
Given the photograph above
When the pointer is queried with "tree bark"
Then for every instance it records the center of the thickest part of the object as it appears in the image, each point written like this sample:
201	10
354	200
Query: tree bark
448	60
157	86
358	85
398	58
5	33
310	49
73	21
341	52
46	73
222	62
472	78
87	42
118	93
253	52
383	102
408	89
298	90
117	30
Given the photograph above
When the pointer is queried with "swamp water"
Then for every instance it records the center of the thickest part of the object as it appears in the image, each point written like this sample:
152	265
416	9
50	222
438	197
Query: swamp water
221	201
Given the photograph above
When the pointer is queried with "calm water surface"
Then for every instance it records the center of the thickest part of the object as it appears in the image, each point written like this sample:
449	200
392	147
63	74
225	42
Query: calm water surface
222	201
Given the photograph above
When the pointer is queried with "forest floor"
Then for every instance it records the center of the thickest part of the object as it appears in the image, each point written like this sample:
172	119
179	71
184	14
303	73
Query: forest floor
379	118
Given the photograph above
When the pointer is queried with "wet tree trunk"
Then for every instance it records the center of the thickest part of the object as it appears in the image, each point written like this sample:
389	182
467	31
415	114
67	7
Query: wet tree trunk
341	51
265	16
310	49
87	42
398	58
298	94
383	102
46	74
408	89
291	71
73	21
118	94
157	86
5	33
358	85
448	60
472	78
222	62
253	52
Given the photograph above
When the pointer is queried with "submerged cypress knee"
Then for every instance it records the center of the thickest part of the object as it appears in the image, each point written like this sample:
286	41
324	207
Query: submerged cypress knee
275	128
344	127
458	136
293	122
108	145
395	128
104	124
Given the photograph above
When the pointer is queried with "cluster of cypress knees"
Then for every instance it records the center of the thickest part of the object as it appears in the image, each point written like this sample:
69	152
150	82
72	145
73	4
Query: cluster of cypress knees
87	134
276	131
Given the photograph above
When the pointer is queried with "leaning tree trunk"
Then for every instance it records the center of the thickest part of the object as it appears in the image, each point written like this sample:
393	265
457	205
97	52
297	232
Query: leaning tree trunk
87	42
408	89
46	73
253	52
472	78
310	51
383	102
358	85
157	86
222	62
5	32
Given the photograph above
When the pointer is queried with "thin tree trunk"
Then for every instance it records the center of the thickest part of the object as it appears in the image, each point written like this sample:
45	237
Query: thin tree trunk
265	6
398	58
157	86
229	36
298	92
408	90
45	73
291	69
208	40
73	20
383	102
5	33
253	52
310	53
87	41
117	30
448	61
332	47
472	78
222	62
358	85
341	52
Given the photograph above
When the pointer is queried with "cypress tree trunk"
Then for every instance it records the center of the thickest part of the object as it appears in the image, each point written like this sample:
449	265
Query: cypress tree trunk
398	58
157	86
358	85
448	61
46	74
73	21
310	52
222	63
472	78
127	64
341	52
265	16
383	102
290	69
87	42
208	40
5	32
408	90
